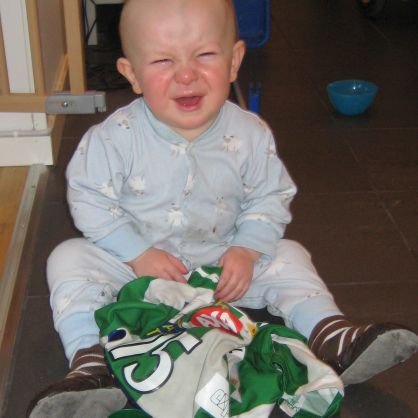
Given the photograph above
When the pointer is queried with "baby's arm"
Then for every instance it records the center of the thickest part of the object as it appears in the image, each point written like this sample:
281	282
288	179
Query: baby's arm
265	213
97	176
269	190
237	272
158	263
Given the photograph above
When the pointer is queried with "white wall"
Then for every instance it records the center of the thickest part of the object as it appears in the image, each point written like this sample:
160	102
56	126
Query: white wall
17	47
25	138
18	59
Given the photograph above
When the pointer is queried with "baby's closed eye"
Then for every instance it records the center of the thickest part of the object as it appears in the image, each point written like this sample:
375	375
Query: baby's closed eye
161	61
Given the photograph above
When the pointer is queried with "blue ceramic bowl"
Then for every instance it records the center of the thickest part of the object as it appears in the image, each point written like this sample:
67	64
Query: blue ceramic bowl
351	97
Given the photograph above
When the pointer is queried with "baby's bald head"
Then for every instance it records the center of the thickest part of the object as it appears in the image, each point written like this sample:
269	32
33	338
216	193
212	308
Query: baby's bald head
137	15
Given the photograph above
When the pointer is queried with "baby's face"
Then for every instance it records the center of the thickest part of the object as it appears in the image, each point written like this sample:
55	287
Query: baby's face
182	56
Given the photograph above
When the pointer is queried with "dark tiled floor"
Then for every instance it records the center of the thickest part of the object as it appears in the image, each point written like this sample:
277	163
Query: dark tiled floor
358	179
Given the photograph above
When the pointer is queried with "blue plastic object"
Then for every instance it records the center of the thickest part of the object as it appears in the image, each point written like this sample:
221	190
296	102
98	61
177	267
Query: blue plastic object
351	97
253	21
254	97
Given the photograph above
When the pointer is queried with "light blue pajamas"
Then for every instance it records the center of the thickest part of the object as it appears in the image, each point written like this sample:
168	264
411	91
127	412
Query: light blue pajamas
133	183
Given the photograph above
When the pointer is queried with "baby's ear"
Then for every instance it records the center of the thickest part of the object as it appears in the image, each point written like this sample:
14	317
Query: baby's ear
238	53
124	66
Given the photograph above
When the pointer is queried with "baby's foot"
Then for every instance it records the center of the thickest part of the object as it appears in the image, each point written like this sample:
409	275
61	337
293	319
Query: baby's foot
358	353
79	397
88	390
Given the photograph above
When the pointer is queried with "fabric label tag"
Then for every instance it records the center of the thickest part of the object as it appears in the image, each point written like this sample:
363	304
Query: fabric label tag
214	397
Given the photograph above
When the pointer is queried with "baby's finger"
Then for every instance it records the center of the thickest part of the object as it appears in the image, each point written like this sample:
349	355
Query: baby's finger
227	292
178	264
223	282
227	296
173	273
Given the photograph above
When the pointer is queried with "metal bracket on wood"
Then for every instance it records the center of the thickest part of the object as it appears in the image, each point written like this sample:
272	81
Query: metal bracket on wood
67	103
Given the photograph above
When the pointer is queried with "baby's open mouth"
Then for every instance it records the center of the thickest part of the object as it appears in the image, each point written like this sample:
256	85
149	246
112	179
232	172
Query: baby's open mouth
188	101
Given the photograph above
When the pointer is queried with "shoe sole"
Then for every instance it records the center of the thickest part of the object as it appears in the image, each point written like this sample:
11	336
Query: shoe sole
387	350
92	403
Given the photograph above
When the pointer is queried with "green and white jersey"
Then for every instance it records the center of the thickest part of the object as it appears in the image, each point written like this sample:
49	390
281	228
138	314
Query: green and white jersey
179	354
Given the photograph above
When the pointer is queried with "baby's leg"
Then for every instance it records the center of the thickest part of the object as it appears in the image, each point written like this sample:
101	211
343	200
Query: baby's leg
82	278
291	288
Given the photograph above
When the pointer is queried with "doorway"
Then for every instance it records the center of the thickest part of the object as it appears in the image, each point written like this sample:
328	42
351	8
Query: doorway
102	44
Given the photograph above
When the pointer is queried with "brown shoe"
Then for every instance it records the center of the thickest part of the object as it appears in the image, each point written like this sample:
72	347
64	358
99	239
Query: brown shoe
77	387
358	353
88	390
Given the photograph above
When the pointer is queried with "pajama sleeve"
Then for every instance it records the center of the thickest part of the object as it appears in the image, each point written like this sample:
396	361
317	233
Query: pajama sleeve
95	177
269	189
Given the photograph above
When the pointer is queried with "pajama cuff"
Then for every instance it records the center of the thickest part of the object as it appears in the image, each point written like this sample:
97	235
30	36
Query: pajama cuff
124	242
258	236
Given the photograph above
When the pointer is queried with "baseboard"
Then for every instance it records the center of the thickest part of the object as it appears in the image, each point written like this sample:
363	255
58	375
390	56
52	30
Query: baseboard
26	150
14	280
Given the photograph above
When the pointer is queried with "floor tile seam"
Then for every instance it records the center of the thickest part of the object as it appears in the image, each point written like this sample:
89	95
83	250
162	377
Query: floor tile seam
375	128
402	235
348	130
382	203
372	191
373	283
363	167
392	49
335	192
275	20
311	50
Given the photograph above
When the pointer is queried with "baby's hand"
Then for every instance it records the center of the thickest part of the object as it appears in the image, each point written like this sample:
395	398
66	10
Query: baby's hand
159	263
237	272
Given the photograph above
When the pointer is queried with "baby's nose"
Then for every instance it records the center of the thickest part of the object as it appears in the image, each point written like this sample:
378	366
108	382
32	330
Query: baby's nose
186	74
